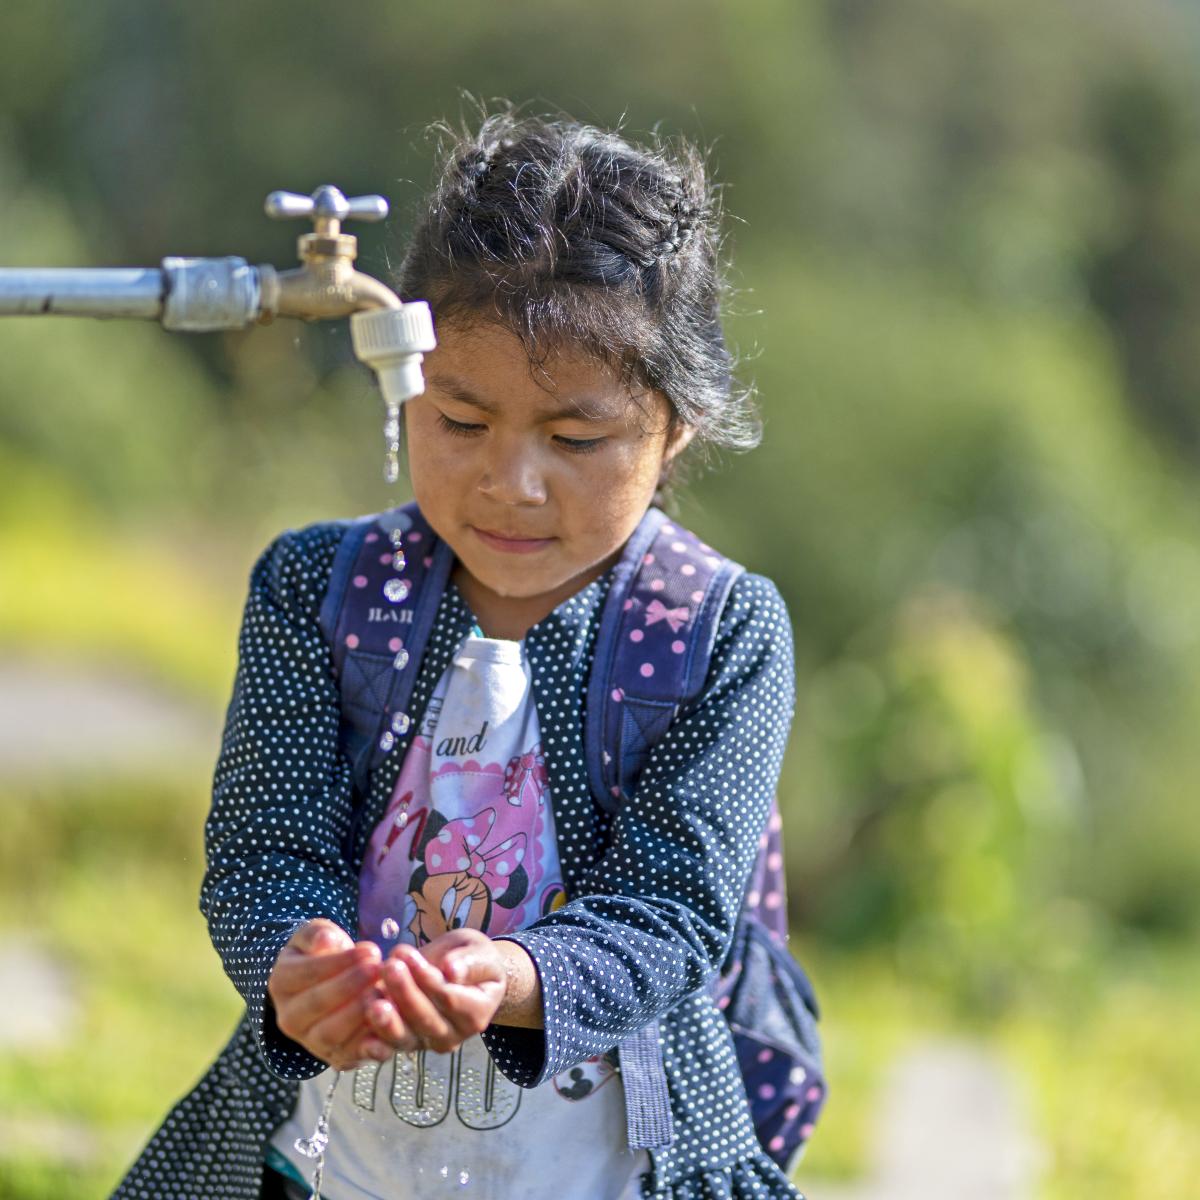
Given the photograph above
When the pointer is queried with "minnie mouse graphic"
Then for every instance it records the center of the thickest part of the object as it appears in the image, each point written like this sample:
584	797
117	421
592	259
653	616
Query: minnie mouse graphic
468	865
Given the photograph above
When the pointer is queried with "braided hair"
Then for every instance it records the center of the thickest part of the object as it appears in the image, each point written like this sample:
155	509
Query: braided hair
571	235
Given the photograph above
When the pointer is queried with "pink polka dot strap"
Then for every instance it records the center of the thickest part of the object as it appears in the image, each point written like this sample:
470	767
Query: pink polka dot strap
387	577
653	652
653	648
652	657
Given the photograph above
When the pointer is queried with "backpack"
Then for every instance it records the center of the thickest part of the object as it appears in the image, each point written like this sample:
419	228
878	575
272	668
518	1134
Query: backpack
386	583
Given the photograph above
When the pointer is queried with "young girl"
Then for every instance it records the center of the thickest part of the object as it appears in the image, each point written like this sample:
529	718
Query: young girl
471	940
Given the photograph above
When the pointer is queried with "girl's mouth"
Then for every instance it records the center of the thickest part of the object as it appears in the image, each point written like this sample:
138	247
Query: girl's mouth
510	545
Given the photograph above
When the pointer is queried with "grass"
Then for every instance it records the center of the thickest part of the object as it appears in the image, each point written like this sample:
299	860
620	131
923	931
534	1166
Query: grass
1113	1075
113	897
106	872
103	872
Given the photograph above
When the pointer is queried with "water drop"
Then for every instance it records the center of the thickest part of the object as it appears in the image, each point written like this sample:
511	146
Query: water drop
391	435
396	590
444	1172
390	928
315	1146
464	1177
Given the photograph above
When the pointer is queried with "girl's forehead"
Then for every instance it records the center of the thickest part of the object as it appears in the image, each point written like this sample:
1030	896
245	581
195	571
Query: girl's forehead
490	368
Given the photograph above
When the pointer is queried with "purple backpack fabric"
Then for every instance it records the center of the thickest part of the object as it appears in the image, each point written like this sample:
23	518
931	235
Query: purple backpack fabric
652	655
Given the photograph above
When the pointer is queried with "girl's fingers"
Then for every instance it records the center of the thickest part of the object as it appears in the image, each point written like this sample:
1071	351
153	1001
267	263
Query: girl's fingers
470	965
373	1048
358	1048
299	1012
468	1008
385	1021
418	1010
296	971
320	936
336	1039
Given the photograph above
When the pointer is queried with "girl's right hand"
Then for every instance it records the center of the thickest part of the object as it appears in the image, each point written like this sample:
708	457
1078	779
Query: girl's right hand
320	985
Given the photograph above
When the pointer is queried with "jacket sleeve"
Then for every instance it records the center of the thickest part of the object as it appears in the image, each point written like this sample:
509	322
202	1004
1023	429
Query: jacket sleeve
656	915
282	791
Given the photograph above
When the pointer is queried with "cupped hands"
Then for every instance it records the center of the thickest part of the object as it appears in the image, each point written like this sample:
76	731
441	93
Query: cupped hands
345	1004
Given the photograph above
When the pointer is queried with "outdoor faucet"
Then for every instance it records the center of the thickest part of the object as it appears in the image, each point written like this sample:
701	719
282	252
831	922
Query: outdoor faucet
204	294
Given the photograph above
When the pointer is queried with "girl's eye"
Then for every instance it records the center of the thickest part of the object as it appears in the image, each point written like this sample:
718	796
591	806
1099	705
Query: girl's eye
471	429
579	445
458	428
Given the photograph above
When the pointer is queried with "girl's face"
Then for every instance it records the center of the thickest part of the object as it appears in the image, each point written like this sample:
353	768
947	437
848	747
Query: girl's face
535	476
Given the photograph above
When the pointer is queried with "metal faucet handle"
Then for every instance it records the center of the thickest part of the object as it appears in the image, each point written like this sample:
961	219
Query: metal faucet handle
325	204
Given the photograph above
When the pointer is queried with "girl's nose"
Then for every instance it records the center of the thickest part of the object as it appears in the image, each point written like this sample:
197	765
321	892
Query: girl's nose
514	478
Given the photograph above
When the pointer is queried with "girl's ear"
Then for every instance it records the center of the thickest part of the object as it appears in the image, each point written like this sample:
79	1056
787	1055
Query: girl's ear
678	440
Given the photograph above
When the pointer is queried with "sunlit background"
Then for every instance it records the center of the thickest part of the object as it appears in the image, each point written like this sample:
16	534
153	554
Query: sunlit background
965	240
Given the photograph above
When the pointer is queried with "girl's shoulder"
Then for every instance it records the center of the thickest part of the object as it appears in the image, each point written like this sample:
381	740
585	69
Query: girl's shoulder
755	620
754	600
294	568
753	657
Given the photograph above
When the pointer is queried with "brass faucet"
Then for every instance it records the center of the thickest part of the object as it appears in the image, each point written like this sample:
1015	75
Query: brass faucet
197	295
327	284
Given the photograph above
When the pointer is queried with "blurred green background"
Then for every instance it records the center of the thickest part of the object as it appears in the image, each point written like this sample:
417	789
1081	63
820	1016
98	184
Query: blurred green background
966	252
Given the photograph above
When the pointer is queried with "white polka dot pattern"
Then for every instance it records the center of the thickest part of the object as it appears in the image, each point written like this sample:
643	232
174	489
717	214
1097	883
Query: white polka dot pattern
655	896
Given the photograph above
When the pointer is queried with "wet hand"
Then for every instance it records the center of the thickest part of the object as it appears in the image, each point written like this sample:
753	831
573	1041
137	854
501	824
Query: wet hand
321	986
439	996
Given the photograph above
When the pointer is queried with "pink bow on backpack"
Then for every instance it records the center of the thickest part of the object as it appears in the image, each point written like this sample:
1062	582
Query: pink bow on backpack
656	610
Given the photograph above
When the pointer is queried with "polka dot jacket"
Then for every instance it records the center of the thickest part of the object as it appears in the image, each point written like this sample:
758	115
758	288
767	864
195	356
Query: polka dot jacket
655	892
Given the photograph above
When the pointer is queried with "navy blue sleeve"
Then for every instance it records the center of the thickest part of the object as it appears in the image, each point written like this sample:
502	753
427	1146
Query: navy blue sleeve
282	791
656	915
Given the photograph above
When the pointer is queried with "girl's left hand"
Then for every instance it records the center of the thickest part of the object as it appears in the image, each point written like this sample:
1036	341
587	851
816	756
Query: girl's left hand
442	994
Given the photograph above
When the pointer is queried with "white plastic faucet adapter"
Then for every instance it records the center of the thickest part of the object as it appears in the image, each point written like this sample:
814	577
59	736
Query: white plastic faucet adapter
393	342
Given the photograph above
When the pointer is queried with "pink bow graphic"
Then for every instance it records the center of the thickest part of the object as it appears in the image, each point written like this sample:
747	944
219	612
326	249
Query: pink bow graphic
656	610
459	847
525	777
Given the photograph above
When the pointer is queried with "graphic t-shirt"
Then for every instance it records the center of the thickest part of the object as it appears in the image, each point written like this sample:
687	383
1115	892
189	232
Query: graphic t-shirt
467	840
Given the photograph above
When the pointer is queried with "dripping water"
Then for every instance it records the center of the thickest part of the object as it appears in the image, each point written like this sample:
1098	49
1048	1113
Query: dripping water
391	438
316	1145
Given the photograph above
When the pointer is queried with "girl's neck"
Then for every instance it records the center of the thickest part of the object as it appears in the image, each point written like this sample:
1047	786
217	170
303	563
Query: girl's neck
511	617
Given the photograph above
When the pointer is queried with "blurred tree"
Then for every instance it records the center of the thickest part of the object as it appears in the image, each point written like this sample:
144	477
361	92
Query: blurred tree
964	245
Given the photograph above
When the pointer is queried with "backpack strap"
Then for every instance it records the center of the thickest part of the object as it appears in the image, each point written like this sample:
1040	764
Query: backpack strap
653	647
653	652
388	576
656	637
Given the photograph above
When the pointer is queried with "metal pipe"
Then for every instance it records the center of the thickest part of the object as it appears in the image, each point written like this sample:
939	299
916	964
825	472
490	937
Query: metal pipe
82	292
202	294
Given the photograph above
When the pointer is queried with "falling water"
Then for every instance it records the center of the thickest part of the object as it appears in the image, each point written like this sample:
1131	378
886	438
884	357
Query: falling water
315	1146
391	437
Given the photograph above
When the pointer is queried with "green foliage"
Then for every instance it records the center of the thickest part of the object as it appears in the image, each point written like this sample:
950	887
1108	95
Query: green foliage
1111	1070
964	246
104	873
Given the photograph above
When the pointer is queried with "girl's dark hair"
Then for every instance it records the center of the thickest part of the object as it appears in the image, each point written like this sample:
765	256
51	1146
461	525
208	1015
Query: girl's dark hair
568	234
